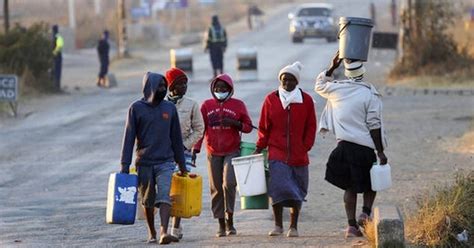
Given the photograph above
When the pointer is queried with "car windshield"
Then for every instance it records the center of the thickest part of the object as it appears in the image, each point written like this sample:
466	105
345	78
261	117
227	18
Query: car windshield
314	12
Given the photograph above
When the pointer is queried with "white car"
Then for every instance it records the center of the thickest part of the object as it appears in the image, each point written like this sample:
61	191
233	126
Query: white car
313	21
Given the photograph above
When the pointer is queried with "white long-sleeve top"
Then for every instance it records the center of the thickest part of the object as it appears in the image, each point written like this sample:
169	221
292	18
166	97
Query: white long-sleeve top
353	108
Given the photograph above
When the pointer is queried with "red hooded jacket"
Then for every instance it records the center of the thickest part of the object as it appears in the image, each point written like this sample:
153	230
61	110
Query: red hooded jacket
289	133
223	140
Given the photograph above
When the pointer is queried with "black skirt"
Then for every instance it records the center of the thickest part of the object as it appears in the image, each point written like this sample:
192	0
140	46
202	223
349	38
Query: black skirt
349	165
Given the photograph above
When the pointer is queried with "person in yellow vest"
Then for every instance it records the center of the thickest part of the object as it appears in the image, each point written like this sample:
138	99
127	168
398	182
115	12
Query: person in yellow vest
58	44
216	44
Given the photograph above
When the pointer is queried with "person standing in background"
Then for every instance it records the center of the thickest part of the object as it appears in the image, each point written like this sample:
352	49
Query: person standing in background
103	49
58	44
216	44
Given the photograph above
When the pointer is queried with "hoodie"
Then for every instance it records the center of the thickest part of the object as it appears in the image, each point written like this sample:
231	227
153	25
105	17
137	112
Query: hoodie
223	140
154	126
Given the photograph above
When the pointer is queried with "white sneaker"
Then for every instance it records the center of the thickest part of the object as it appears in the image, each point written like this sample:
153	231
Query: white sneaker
177	232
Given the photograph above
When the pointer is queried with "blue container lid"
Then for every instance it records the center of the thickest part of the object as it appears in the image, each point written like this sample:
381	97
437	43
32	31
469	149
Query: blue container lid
356	21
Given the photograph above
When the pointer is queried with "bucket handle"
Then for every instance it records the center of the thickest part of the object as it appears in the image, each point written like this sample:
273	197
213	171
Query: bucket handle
344	27
248	172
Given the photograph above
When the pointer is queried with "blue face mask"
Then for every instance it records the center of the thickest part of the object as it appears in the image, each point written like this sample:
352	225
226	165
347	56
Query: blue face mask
221	95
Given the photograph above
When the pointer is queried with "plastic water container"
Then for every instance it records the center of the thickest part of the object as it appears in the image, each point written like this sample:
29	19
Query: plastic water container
186	195
257	201
380	177
122	199
250	175
354	37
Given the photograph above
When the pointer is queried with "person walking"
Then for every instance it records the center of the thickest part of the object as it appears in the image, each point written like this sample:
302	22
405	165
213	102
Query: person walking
216	44
153	124
225	118
190	119
58	44
288	128
353	113
103	51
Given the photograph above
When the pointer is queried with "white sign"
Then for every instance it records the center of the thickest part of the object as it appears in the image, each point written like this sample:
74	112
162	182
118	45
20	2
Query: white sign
8	88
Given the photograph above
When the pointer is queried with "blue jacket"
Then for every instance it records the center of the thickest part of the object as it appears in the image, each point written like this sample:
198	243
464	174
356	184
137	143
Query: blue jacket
155	128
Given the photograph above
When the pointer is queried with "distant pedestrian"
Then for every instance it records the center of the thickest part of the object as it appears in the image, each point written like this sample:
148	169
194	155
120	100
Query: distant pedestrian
103	49
58	44
225	118
190	119
153	124
353	113
288	128
216	44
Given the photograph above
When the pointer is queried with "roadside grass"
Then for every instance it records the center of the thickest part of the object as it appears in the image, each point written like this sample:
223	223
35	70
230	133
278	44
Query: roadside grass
443	213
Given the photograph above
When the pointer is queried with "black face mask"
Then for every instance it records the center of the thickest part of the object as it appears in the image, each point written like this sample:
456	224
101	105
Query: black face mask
158	97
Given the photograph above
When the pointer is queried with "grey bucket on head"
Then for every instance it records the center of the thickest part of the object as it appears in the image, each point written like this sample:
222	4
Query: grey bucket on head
354	37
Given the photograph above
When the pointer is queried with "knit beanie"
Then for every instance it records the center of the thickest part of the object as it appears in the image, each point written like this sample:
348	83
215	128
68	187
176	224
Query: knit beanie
293	69
173	74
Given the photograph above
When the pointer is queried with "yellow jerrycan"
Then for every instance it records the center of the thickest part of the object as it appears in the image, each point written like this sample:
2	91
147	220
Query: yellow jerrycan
186	195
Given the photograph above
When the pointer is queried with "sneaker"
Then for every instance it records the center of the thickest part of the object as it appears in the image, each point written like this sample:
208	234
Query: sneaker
166	239
177	232
277	231
353	231
363	219
292	232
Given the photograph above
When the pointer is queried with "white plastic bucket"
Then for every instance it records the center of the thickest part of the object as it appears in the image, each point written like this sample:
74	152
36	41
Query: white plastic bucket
380	177
250	175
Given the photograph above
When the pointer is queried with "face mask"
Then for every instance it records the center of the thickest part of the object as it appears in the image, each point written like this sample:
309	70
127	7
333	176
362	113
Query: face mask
221	95
158	97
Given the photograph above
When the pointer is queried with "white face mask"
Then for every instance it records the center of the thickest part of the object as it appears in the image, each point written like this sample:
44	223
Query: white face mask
221	95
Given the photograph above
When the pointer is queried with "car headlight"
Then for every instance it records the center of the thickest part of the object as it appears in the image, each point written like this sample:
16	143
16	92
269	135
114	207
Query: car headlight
330	21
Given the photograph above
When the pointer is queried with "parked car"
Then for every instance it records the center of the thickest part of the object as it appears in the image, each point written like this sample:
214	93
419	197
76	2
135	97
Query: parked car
313	21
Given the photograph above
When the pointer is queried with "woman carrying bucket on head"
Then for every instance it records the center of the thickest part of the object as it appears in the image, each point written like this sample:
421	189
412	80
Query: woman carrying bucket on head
288	128
353	113
225	118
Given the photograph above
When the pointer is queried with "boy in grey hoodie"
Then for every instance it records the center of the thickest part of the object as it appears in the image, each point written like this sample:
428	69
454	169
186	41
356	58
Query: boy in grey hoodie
153	124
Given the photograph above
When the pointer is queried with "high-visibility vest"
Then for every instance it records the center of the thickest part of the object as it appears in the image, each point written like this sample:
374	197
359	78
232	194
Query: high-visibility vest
59	44
217	35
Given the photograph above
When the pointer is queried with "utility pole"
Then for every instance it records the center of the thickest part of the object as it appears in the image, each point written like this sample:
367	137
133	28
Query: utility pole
6	15
122	30
72	16
97	7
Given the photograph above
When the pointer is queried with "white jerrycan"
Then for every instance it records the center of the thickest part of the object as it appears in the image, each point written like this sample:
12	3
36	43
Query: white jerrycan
380	177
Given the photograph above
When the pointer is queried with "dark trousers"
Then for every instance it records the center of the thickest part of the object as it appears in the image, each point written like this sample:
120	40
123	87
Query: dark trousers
58	63
104	67
222	183
217	57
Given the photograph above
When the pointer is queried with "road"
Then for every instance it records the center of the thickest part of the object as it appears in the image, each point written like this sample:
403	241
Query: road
56	160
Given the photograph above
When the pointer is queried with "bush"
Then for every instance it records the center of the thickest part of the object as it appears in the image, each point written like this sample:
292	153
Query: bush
27	52
444	214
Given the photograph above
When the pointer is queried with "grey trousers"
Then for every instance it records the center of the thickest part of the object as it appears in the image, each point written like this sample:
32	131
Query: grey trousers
222	184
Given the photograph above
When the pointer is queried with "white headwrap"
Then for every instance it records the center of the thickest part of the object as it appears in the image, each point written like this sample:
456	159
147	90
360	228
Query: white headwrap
354	69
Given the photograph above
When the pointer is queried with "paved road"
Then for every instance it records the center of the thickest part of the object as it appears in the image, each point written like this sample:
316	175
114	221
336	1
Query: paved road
56	161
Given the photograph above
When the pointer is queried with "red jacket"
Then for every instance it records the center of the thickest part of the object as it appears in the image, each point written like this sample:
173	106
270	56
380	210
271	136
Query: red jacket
289	133
223	140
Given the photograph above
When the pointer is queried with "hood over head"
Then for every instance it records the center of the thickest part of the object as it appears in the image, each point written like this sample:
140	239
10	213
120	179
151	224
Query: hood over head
228	80
151	83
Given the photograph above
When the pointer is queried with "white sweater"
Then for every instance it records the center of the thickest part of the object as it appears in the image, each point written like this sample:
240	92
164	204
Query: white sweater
353	108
